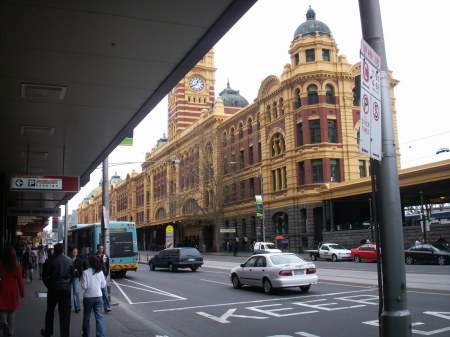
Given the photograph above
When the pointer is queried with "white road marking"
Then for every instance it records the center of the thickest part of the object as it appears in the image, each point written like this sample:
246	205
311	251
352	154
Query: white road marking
262	301
227	284
419	332
229	313
305	334
149	289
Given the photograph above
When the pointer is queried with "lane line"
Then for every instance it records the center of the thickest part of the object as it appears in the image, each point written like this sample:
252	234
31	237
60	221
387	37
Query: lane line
153	291
261	301
227	284
123	293
348	285
162	292
427	293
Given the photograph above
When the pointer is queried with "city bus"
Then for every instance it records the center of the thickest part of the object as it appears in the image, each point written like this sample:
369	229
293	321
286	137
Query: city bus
123	244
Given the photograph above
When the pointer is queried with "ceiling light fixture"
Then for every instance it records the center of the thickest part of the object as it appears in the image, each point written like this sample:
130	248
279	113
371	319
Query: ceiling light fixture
34	154
37	130
41	91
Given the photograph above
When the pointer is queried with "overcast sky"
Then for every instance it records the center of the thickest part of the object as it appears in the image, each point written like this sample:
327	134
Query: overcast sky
415	33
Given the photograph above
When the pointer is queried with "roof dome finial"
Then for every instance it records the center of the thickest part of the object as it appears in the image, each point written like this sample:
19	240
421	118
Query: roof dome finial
311	26
310	14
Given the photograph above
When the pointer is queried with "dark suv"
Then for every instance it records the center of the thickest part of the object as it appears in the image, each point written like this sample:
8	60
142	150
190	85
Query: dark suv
174	258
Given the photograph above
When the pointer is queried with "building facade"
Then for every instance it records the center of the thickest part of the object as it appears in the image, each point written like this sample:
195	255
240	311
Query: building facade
296	140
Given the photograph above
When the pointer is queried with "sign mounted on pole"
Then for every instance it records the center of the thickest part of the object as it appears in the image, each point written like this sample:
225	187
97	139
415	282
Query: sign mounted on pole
370	106
169	237
259	205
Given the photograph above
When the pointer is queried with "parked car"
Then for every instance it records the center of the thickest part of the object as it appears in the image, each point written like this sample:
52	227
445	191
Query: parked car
330	251
366	252
174	258
265	247
428	253
275	270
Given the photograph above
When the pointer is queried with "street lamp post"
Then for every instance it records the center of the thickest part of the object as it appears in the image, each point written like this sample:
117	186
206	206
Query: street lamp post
262	196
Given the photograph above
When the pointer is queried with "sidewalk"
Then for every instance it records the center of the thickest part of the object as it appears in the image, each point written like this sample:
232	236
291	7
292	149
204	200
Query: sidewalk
30	318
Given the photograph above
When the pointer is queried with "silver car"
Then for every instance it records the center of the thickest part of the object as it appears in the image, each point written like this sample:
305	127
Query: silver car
275	270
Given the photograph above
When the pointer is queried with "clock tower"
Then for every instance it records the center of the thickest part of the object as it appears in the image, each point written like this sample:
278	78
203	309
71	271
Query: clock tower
191	95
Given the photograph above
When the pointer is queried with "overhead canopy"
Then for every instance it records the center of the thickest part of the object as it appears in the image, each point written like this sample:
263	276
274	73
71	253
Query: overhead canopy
77	76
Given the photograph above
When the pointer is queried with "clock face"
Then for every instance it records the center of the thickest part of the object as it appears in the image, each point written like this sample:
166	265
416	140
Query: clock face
196	83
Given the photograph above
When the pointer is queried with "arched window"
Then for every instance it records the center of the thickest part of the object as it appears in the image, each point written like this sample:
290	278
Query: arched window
161	214
232	135
313	97
281	106
190	207
241	130
297	99
269	115
329	94
249	126
275	110
277	144
224	138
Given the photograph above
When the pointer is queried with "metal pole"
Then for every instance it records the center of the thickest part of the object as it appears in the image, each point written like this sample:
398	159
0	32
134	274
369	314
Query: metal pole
66	230
396	318
423	219
262	197
105	218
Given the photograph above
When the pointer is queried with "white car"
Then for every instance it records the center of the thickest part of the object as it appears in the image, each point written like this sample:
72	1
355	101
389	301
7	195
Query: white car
275	270
265	247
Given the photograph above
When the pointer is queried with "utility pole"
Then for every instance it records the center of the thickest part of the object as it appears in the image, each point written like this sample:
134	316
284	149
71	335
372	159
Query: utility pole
105	218
395	320
423	218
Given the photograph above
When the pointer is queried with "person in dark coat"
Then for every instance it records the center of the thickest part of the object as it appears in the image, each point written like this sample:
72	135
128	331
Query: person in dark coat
104	259
78	270
27	264
57	276
11	286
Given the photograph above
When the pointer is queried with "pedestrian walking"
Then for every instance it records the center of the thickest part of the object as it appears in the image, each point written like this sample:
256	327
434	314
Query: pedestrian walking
11	287
57	276
104	260
78	269
93	281
41	258
27	264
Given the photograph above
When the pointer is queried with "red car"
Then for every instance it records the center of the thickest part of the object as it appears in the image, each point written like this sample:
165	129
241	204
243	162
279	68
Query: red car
365	252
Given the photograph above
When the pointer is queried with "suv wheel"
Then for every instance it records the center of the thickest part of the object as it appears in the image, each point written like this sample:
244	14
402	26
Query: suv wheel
194	268
172	268
152	266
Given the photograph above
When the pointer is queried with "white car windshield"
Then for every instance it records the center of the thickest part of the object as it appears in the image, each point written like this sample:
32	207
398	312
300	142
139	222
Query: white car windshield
286	259
270	246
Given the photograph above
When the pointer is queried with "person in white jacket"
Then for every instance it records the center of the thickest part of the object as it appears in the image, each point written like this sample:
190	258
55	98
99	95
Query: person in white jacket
92	282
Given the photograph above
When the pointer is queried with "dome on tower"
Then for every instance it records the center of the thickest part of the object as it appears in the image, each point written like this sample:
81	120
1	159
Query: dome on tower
311	26
232	97
115	179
